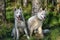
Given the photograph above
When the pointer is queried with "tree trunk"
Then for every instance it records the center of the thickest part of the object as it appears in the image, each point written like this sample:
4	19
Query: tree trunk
58	6
2	13
2	10
24	3
45	4
36	4
17	3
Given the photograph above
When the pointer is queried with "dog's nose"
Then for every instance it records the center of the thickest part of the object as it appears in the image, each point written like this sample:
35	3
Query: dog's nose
19	16
44	17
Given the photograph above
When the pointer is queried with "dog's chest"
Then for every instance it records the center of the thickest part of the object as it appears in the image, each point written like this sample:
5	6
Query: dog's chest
35	23
20	24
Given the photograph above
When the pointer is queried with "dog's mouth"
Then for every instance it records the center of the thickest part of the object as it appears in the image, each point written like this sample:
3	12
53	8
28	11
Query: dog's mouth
19	17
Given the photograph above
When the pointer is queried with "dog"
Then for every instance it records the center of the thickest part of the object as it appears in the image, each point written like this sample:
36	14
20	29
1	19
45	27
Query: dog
35	22
19	24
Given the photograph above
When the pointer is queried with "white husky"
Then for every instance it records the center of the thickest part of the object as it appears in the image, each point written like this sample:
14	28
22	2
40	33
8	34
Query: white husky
36	21
19	24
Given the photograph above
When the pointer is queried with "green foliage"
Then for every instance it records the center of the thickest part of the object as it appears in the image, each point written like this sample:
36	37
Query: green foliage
52	19
32	38
55	33
9	13
53	22
7	1
5	31
27	12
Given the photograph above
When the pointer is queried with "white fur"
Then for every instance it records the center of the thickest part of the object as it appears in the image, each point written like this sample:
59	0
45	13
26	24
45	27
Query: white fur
17	12
19	24
36	21
41	15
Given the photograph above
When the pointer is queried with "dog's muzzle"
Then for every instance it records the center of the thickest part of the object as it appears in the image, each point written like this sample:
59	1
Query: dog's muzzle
18	17
44	18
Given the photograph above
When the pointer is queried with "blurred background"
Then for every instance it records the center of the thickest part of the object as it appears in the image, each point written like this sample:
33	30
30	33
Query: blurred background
29	7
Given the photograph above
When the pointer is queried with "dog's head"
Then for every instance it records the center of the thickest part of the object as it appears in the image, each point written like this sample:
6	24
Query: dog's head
18	13
41	15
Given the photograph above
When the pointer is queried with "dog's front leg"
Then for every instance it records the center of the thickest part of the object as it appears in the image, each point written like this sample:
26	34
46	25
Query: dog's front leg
40	32
17	34
26	33
31	32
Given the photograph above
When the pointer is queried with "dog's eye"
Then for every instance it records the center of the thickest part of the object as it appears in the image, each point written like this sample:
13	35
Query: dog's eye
42	14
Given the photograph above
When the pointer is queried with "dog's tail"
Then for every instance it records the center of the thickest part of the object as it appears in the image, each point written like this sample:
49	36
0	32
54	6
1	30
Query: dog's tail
45	31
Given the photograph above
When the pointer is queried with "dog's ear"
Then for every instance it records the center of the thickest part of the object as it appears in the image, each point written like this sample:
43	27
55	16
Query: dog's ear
20	8
15	9
41	9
